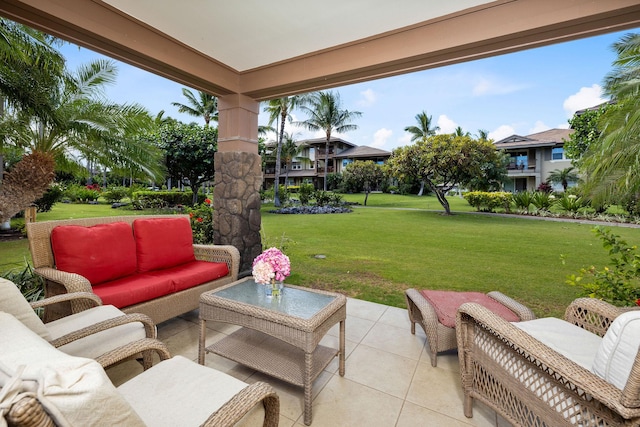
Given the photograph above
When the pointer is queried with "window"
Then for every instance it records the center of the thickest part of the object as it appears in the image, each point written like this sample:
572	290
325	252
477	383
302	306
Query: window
557	153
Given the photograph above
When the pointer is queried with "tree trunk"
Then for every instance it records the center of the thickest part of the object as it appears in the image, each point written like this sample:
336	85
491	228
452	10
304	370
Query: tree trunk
276	186
326	160
421	192
194	197
440	196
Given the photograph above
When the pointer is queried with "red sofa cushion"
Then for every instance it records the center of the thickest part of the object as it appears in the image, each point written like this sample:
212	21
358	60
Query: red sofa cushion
162	242
194	273
446	304
134	289
100	253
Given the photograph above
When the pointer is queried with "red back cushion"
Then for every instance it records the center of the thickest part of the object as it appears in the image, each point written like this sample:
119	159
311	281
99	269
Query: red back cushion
100	253
163	242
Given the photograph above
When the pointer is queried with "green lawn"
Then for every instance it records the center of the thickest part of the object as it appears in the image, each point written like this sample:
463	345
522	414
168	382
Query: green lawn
375	253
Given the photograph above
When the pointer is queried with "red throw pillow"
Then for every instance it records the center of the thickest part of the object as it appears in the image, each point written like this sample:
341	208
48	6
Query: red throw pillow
100	253
163	242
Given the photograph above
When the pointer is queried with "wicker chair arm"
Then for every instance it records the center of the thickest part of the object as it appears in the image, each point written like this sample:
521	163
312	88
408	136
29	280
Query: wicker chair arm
473	319
149	327
94	299
72	282
522	311
243	402
133	349
426	309
220	253
592	314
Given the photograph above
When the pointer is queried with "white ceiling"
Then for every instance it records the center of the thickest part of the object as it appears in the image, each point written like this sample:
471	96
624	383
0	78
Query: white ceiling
248	34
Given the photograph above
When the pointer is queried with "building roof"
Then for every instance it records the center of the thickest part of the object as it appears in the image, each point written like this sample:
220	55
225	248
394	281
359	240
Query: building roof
362	151
323	140
547	138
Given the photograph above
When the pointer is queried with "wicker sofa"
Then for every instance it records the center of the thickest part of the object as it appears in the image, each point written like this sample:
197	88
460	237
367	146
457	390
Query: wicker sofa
141	264
583	370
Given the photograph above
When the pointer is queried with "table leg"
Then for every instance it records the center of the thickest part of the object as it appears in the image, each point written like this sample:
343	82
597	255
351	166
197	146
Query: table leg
308	367
341	364
201	343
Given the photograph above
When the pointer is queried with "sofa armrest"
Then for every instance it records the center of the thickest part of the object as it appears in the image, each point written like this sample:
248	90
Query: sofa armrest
70	281
592	314
220	253
243	402
494	353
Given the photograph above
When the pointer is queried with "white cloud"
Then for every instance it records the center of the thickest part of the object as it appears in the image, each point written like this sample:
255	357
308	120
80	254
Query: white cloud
586	97
368	98
380	137
446	124
491	86
405	139
503	131
539	126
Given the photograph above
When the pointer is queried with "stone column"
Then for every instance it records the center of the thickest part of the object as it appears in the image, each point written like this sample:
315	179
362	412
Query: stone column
238	179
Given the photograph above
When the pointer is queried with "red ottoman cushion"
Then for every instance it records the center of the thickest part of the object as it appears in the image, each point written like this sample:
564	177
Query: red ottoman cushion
446	304
100	253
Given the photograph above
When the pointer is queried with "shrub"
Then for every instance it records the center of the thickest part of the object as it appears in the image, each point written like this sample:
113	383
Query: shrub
305	193
81	194
545	187
201	217
30	284
162	199
572	203
49	198
523	200
542	200
488	201
618	284
322	197
114	194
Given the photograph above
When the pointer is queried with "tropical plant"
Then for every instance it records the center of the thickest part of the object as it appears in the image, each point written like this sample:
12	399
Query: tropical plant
586	131
49	198
280	110
459	132
612	166
201	217
618	283
542	200
203	105
489	201
325	113
291	150
30	284
421	132
114	194
363	176
571	202
522	200
563	177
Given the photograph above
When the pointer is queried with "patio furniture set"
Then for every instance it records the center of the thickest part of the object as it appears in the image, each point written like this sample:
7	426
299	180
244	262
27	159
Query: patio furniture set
581	370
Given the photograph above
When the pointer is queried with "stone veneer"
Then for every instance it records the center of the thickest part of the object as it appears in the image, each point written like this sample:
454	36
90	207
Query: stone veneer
236	199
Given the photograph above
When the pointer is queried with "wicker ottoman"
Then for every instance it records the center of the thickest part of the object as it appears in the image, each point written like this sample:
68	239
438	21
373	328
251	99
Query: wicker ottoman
438	318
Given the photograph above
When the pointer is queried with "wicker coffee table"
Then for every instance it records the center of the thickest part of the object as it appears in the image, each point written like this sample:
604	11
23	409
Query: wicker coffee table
279	336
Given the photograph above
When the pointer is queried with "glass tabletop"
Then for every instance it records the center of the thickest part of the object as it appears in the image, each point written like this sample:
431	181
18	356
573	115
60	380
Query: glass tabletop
294	302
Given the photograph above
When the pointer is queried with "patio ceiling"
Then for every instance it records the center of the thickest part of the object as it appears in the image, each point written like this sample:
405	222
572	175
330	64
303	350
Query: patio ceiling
270	49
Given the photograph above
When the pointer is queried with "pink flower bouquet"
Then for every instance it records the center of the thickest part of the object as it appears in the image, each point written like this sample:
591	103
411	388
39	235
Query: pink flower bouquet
271	265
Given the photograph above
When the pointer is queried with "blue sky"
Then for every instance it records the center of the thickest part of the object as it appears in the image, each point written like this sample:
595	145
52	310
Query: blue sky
519	93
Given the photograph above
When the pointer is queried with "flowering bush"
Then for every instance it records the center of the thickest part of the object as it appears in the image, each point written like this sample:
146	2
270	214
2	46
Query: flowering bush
201	217
271	264
618	284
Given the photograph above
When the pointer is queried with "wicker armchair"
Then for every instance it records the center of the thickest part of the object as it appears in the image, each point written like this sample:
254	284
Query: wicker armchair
89	333
531	384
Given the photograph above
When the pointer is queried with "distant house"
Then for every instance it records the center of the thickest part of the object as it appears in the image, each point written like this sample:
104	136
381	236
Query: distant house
309	166
534	157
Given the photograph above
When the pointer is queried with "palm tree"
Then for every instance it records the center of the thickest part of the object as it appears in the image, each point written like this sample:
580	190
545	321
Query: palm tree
611	165
203	105
483	135
563	177
424	129
421	133
325	113
280	112
459	132
291	150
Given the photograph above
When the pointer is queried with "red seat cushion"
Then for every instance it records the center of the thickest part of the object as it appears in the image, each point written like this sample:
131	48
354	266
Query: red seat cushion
446	304
100	253
134	289
192	274
163	242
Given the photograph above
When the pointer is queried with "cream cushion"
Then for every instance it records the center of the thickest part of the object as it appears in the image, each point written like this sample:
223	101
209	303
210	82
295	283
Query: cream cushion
618	350
96	344
75	390
190	392
570	340
12	301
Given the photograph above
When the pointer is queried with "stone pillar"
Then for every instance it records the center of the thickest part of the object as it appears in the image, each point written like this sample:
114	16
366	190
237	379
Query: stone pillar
238	179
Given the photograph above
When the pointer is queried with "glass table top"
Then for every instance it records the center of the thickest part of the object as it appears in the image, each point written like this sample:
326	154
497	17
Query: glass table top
294	302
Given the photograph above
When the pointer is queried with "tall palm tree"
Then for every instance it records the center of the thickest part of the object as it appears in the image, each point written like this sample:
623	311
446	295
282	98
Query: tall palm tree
612	165
459	132
423	130
563	177
483	135
421	133
291	150
325	113
280	112
203	105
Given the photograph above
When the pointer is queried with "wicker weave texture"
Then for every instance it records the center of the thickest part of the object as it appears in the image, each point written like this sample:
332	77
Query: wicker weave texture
530	384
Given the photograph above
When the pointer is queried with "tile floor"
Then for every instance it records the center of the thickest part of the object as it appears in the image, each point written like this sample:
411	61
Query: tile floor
389	380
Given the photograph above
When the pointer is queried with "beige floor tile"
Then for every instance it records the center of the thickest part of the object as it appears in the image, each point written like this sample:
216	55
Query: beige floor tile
365	310
355	328
416	416
394	340
333	342
172	327
343	402
396	316
380	370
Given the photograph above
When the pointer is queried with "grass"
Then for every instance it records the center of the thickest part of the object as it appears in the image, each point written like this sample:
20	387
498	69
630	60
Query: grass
375	253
